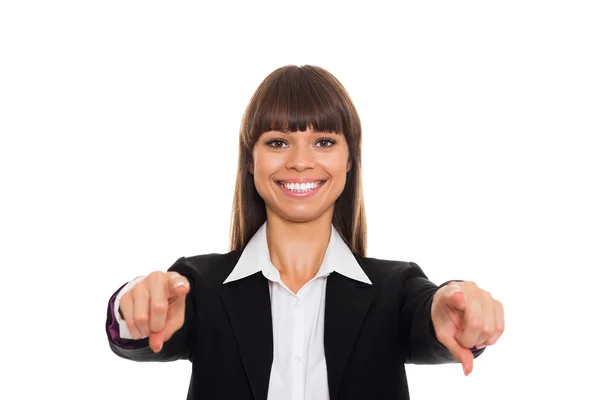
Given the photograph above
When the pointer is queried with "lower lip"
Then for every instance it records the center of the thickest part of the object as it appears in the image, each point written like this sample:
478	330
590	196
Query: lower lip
296	194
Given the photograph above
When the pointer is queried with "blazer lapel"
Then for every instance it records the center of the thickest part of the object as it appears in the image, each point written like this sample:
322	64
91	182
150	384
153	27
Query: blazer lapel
248	306
346	304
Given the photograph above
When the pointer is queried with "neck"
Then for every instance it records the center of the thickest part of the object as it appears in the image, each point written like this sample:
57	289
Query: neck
297	249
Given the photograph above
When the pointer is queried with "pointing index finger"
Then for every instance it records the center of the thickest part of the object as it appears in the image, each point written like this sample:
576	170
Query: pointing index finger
462	355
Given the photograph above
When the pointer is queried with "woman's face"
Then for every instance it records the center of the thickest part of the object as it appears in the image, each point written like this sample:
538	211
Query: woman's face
301	174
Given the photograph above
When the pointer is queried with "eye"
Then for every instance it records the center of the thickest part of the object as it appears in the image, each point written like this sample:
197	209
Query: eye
275	143
328	142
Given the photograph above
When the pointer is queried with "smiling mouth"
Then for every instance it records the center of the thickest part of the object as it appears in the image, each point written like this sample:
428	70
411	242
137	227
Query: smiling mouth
300	187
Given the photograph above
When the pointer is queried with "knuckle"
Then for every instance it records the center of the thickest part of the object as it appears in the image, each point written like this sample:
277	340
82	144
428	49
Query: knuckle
140	319
137	288
492	340
126	297
159	306
487	329
156	275
476	323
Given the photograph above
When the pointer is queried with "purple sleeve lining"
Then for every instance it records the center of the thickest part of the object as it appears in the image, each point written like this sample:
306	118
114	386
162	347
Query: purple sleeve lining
112	328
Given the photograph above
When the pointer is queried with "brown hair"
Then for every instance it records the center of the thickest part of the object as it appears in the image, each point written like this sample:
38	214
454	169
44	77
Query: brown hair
291	99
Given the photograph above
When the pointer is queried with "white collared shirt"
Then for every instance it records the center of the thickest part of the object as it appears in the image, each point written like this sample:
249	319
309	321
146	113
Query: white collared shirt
299	369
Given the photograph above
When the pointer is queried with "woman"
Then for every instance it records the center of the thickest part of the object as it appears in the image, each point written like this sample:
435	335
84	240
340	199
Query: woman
296	310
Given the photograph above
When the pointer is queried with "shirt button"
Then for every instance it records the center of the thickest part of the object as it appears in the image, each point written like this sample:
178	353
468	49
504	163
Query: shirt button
297	303
297	359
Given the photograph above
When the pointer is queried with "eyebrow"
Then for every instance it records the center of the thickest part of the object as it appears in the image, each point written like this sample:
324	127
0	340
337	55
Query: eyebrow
312	132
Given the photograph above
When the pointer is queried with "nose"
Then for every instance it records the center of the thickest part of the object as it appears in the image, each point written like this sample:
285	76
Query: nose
300	158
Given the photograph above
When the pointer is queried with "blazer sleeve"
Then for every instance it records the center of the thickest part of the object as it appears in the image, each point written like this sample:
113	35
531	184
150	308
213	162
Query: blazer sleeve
181	344
418	335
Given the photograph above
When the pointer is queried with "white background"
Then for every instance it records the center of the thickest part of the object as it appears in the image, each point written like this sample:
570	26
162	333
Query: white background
118	153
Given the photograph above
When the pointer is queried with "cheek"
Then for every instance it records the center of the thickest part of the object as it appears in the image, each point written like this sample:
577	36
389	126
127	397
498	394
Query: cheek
340	182
337	173
263	170
259	179
337	167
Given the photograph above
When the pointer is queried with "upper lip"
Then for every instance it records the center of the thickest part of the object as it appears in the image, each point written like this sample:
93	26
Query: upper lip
300	180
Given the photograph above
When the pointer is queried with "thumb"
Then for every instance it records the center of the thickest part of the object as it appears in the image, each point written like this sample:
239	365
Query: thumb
463	355
450	306
456	300
178	285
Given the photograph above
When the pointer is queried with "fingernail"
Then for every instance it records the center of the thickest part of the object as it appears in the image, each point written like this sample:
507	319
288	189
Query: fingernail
480	346
180	283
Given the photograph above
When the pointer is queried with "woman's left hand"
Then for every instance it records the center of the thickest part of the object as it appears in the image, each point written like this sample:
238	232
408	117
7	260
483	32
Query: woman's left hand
465	316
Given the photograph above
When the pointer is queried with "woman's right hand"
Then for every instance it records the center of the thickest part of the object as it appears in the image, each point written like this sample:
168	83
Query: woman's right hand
155	307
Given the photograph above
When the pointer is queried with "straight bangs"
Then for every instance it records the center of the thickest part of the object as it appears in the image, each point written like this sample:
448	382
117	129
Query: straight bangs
295	99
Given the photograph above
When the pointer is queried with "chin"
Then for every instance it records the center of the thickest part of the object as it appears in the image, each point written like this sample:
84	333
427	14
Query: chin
300	214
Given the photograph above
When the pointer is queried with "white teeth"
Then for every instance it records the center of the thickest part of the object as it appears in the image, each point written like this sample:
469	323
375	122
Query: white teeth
300	187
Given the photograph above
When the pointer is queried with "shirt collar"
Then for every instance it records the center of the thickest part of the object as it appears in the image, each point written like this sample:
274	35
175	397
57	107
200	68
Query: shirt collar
255	258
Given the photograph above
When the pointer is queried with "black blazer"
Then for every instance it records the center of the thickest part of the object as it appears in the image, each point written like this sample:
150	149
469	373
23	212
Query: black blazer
371	331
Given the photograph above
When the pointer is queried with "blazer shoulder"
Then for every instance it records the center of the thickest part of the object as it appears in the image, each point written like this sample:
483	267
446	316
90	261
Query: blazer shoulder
382	269
210	267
